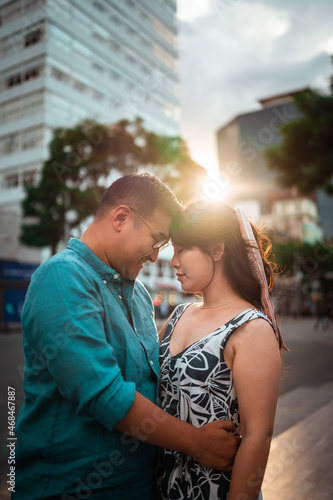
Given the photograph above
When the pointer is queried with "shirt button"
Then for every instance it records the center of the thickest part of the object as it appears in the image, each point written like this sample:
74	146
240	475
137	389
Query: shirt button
115	276
104	281
120	297
135	330
151	362
157	340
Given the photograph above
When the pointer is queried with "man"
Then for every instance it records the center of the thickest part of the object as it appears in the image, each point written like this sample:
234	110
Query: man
89	419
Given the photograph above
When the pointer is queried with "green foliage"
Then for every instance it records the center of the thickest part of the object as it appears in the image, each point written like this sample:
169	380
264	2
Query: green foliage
305	157
313	261
81	159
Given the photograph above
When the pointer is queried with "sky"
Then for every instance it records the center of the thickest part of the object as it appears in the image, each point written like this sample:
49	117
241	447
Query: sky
234	52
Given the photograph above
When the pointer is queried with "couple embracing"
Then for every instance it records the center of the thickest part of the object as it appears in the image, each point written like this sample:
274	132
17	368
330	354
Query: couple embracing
112	412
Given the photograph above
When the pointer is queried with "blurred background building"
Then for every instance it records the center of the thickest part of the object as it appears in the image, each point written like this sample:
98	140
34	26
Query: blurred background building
240	146
65	60
291	216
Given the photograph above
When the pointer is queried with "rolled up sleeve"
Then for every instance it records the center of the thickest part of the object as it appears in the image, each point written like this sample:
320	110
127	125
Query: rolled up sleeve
69	335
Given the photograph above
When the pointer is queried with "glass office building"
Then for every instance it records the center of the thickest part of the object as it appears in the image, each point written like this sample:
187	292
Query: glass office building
241	144
65	60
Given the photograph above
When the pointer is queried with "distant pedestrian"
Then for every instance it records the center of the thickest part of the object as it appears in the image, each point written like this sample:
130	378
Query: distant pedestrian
323	311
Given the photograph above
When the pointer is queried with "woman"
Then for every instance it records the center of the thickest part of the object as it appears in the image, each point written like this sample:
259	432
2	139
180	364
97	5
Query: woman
220	358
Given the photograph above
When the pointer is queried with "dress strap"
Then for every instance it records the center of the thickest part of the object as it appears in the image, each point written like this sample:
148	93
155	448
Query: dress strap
177	312
245	317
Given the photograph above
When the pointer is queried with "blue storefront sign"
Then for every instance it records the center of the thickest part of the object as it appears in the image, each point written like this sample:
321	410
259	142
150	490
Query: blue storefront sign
17	271
13	304
14	281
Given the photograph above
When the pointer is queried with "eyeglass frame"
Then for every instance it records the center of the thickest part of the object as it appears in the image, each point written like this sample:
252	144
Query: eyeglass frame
158	245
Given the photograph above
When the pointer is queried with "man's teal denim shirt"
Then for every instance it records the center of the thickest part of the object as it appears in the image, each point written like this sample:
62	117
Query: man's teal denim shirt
89	342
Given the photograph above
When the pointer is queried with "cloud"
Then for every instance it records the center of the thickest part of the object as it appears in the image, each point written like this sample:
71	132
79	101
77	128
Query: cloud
190	10
233	52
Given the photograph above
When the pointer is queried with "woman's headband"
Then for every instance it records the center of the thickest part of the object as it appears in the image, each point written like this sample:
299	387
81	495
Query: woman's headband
256	262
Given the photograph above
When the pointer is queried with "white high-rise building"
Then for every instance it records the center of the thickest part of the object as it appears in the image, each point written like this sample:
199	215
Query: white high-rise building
65	60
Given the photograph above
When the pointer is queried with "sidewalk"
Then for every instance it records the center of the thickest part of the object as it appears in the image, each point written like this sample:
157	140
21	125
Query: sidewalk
300	461
299	466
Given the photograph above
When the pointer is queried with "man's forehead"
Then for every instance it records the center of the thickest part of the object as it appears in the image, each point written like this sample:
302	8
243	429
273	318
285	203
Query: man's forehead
162	222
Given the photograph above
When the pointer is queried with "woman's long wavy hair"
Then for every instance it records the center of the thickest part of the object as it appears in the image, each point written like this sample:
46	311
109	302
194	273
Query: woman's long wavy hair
205	224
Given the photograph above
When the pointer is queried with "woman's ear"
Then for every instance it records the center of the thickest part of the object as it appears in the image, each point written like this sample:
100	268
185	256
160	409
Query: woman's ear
218	252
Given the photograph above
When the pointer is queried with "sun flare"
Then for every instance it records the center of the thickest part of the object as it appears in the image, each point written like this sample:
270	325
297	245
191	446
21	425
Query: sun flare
215	187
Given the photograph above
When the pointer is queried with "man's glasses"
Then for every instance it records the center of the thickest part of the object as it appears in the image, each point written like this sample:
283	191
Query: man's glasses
160	244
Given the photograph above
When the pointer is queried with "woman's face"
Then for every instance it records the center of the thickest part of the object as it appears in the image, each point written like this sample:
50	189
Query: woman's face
194	268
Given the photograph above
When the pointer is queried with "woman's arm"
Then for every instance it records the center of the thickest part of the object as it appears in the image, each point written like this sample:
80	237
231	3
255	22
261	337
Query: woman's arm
256	367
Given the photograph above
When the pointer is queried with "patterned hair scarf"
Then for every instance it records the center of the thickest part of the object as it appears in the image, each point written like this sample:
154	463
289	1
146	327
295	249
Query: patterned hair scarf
255	259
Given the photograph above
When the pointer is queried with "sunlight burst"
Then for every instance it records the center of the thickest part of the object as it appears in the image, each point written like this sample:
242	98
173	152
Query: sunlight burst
215	187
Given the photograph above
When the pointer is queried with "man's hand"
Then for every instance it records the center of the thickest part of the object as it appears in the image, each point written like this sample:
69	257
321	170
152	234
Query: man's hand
215	447
212	444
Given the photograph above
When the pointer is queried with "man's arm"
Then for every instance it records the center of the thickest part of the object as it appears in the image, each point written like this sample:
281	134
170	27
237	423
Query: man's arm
211	444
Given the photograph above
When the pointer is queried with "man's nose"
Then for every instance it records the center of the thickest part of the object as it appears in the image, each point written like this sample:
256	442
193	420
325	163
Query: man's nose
153	256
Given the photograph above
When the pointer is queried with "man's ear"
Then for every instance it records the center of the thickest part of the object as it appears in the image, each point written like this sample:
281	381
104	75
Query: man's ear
120	216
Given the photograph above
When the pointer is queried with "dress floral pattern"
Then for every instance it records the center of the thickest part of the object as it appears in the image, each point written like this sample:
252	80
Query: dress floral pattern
197	387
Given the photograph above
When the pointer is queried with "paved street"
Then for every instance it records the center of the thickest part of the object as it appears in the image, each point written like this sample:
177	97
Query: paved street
301	450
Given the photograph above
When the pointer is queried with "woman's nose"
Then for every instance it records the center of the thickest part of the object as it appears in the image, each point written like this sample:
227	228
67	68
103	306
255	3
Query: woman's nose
173	262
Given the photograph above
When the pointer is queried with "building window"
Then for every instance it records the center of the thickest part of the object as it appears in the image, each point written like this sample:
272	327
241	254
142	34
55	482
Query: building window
33	4
10	12
13	81
144	15
31	138
10	110
98	37
9	144
11	181
115	46
31	74
32	38
164	32
29	177
17	79
99	6
31	102
131	60
130	31
98	67
16	8
165	57
79	86
59	75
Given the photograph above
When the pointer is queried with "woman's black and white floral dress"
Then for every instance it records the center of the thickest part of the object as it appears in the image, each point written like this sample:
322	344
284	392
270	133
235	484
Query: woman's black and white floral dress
197	387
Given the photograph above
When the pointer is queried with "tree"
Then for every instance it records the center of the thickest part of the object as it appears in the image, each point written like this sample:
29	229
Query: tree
312	261
305	157
80	161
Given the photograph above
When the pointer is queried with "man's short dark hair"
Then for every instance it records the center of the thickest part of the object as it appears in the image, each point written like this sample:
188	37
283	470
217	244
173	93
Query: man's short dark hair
144	192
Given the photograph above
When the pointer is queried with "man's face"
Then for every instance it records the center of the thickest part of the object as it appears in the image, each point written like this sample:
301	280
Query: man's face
140	238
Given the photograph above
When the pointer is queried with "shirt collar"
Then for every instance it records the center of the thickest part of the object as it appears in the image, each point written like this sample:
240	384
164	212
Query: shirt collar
103	270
